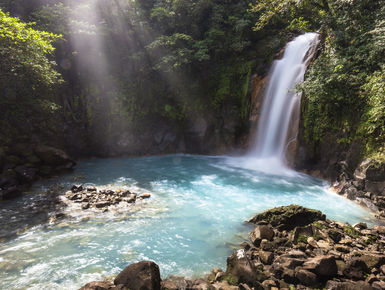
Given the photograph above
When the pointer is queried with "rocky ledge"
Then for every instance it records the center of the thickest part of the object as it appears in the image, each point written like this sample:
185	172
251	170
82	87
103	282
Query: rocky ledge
291	247
365	185
93	197
23	164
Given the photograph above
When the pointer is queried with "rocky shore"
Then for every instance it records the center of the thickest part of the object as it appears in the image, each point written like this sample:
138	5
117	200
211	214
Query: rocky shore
365	185
23	164
291	247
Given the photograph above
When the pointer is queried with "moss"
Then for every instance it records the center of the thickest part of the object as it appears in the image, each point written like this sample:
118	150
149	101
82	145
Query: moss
230	279
302	238
351	232
289	217
319	225
371	239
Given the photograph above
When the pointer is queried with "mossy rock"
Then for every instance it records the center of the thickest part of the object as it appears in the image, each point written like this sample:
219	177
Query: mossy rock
289	217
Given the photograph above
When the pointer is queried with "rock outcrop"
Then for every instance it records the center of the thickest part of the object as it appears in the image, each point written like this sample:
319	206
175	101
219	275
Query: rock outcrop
23	164
93	197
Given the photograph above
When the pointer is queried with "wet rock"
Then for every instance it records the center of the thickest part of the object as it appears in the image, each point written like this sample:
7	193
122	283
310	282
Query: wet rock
139	276
355	269
86	206
145	196
10	193
76	188
323	266
289	217
102	204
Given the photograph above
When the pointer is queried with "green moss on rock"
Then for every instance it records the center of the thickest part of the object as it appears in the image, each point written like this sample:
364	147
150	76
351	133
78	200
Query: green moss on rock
289	217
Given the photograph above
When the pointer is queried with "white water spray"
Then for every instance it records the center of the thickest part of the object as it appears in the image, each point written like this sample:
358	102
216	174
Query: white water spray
281	103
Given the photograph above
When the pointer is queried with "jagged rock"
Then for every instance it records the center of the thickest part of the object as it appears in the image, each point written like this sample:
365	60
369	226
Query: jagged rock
335	235
323	266
260	233
307	278
289	217
201	284
240	269
373	261
140	276
360	226
355	269
334	285
176	282
266	257
102	204
10	193
269	284
103	285
302	233
26	174
54	157
289	276
76	188
380	285
145	196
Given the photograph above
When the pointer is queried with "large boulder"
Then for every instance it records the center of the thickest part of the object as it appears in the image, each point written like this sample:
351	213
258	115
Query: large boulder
323	266
356	269
260	233
240	269
289	217
54	157
144	275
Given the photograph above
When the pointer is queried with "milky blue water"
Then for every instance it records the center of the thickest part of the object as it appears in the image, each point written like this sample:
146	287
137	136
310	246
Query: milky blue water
190	224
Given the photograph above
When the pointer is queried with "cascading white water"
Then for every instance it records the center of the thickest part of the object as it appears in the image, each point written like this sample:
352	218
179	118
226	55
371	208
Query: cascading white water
281	101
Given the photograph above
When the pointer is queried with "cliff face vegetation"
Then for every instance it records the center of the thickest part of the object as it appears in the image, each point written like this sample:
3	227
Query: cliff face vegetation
145	77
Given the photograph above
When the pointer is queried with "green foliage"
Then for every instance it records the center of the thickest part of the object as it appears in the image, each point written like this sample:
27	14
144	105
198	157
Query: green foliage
27	77
351	232
344	87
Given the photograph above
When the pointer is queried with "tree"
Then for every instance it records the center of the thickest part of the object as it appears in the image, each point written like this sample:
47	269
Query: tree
27	76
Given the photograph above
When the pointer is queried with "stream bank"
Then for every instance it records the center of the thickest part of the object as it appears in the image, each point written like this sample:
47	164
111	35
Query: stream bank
291	247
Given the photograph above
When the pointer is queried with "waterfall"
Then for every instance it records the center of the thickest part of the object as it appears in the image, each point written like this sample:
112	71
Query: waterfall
281	104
